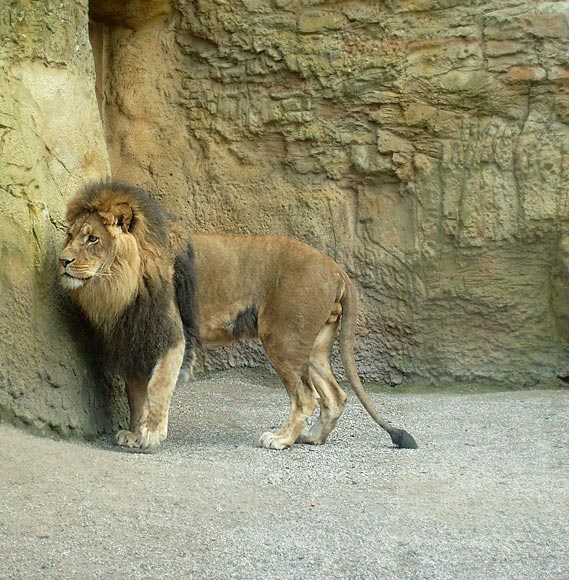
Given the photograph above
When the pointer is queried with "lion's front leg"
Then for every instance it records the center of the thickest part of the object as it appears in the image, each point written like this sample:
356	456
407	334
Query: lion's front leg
136	390
149	423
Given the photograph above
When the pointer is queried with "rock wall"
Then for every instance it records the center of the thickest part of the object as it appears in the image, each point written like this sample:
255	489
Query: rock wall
421	143
51	139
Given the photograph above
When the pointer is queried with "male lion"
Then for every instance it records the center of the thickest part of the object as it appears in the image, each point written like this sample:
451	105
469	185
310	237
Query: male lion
133	271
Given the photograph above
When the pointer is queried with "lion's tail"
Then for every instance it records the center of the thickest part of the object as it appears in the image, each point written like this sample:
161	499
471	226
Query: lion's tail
349	304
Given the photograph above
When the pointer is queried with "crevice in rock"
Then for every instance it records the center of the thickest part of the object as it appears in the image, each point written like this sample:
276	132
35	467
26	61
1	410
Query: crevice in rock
112	26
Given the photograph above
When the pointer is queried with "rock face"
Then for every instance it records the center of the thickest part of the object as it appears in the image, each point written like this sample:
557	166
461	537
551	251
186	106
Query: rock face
422	143
51	139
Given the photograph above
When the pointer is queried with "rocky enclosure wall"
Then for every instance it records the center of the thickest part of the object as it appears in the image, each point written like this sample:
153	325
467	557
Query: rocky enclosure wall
51	139
422	143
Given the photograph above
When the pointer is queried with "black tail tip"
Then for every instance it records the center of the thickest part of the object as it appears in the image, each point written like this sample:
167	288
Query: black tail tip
404	440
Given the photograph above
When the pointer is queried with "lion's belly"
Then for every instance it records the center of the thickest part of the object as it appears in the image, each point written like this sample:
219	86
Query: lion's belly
212	336
246	284
226	325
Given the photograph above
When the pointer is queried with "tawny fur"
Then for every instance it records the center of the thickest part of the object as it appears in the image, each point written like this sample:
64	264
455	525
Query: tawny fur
277	289
118	265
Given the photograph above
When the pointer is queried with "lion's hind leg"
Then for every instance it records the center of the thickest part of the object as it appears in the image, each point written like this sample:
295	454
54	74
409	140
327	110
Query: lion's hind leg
332	397
292	367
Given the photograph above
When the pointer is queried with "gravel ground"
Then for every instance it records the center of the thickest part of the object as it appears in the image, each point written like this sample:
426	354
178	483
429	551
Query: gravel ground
485	497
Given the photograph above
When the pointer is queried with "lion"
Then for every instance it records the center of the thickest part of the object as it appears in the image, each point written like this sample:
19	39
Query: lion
156	294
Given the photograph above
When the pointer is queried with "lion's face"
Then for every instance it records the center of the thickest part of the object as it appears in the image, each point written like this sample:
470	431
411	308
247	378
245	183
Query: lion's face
89	253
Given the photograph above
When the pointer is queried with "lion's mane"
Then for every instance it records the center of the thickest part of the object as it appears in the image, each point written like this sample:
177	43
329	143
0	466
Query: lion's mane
138	306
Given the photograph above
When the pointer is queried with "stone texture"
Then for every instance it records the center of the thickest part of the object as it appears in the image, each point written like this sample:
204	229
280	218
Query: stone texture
423	144
51	140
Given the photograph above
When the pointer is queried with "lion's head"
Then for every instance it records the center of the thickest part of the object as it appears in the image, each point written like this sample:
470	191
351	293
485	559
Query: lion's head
117	241
93	244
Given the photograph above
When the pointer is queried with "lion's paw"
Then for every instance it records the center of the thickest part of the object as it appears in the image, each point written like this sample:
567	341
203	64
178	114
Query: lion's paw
126	439
271	441
149	439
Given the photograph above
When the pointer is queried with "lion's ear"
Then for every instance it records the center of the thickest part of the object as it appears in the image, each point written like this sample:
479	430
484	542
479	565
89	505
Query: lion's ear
119	215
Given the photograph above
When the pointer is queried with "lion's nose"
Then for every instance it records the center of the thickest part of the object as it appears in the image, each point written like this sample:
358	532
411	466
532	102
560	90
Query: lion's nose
65	262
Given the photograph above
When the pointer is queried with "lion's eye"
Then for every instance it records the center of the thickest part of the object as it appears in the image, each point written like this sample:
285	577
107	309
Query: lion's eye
92	239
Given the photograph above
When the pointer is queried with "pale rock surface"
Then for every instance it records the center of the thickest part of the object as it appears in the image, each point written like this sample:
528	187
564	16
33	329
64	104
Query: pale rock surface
423	144
51	140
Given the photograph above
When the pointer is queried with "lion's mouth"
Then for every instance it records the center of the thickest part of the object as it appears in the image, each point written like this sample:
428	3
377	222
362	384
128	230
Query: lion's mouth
72	282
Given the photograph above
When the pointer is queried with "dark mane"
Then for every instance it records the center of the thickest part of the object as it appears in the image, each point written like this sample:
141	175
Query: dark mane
185	283
142	334
146	328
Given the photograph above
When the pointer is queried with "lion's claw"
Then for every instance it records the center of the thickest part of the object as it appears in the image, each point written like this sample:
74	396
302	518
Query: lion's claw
144	439
269	440
148	439
126	438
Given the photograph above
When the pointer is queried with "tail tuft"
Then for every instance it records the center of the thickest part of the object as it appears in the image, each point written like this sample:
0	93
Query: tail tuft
403	440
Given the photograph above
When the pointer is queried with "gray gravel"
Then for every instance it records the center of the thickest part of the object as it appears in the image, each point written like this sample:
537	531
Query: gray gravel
485	497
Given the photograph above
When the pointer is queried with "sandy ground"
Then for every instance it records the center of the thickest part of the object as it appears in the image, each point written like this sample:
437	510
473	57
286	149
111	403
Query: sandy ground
485	497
